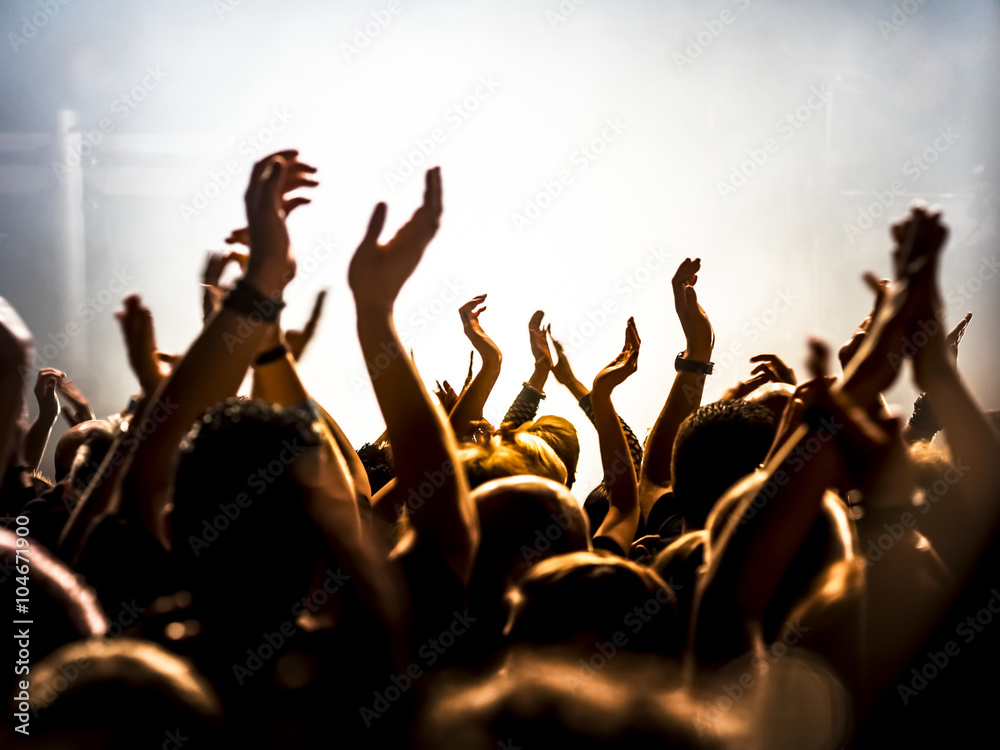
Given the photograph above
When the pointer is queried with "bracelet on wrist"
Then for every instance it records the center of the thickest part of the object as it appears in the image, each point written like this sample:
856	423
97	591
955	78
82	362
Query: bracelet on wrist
246	301
526	384
271	355
692	365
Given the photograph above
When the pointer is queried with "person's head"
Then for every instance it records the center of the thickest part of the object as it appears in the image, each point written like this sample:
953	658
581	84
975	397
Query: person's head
597	504
594	597
561	436
84	445
236	501
520	454
120	693
774	396
523	520
378	465
59	598
715	446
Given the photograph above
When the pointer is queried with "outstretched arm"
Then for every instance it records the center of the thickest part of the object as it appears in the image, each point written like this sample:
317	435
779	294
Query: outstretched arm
217	360
422	443
37	436
622	519
563	372
472	401
686	391
525	406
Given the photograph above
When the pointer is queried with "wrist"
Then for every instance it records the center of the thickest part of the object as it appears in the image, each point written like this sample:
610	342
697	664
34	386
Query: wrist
48	413
698	353
268	284
578	389
373	309
538	377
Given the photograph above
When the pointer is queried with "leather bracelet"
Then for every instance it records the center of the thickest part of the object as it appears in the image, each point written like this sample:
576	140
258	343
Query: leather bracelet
247	302
692	365
271	355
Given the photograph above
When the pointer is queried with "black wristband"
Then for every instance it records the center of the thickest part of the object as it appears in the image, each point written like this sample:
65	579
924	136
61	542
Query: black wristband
271	355
246	301
692	365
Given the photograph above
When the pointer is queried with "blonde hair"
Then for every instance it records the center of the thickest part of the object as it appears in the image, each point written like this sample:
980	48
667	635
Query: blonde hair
520	453
561	436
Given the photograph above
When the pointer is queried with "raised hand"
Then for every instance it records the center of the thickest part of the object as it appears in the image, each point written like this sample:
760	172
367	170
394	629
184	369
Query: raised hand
295	177
562	370
470	312
955	337
446	395
46	385
697	328
298	340
149	365
539	345
271	265
378	272
881	289
77	407
210	278
622	366
773	368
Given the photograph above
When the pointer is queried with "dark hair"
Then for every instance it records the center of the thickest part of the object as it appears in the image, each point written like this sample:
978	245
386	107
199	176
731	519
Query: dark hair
377	461
596	505
593	595
715	446
234	495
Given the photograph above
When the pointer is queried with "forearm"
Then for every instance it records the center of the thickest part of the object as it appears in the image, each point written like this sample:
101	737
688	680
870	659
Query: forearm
763	536
37	437
422	444
622	519
211	371
973	441
578	389
473	399
684	398
538	377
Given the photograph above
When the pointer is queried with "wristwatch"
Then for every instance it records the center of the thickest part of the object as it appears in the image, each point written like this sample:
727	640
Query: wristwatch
692	365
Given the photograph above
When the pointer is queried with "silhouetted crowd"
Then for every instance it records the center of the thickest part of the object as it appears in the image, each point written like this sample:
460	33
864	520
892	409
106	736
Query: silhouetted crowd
791	566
